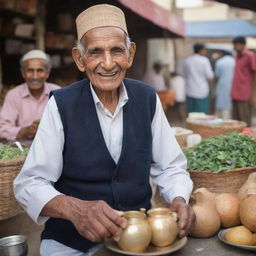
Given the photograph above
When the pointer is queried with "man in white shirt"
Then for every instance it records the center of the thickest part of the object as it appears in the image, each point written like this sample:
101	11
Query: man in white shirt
197	72
97	143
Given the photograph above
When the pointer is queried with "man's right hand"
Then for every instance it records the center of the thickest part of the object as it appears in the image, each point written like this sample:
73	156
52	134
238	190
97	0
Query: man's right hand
94	220
28	132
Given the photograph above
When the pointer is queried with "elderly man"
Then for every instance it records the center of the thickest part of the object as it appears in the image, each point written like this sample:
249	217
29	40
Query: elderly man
24	105
98	142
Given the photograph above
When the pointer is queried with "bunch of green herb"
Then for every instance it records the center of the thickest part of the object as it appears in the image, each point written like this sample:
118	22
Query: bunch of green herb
222	153
9	152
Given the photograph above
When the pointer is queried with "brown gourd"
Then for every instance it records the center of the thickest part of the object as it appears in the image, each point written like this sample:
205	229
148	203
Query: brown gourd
227	206
254	238
247	212
249	187
207	221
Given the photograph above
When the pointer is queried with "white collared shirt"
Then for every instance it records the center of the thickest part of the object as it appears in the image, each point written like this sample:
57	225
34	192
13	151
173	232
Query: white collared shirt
197	71
33	186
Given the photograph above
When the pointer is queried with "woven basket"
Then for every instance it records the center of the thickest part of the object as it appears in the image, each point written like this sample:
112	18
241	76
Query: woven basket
207	130
229	181
9	169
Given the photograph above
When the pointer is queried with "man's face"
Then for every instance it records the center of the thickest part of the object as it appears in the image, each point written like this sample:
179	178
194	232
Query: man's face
106	57
203	52
35	73
239	47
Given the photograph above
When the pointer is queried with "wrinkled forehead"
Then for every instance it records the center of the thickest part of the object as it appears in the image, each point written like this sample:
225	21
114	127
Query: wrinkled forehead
103	35
35	63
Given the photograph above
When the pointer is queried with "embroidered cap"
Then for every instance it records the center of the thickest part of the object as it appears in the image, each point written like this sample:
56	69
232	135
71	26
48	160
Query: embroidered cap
101	15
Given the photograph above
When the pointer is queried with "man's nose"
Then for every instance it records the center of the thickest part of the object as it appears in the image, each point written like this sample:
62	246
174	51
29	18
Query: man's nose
108	62
35	74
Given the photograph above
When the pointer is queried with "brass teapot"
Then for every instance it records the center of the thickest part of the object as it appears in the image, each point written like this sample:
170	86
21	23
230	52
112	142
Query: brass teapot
163	223
137	234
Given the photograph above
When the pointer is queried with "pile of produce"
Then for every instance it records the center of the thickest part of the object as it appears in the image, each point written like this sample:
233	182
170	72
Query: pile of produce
10	152
227	210
222	153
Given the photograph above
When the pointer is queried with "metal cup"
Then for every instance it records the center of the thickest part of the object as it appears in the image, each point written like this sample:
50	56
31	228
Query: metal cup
14	246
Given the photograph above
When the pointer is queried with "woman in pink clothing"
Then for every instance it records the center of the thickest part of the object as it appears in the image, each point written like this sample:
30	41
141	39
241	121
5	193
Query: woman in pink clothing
24	105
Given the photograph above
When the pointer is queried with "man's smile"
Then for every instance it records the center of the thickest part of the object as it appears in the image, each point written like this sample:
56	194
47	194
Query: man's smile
107	74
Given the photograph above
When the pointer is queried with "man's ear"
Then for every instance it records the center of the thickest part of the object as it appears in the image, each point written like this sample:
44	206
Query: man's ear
78	59
132	51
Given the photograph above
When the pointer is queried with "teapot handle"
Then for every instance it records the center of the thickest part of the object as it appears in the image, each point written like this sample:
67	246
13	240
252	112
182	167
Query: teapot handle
143	210
175	216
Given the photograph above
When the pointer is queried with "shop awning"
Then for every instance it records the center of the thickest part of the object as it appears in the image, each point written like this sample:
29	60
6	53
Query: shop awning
246	4
219	29
157	15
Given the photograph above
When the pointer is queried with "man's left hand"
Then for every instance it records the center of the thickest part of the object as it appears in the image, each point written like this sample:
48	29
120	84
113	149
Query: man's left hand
186	215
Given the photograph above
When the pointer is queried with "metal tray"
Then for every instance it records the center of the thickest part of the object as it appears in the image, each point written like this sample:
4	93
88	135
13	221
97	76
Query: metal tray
222	237
151	250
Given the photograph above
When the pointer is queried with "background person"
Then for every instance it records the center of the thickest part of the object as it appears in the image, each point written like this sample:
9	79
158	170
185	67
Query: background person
243	92
98	142
179	87
155	79
23	105
224	71
197	72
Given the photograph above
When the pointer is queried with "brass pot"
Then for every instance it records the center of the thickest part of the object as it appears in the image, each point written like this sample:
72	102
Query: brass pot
137	234
164	226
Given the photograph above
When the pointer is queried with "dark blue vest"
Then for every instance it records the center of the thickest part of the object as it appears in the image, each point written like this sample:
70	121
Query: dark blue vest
89	172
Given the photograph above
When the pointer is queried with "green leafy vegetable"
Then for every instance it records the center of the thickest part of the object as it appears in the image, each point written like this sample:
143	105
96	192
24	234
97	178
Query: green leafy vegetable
222	153
9	152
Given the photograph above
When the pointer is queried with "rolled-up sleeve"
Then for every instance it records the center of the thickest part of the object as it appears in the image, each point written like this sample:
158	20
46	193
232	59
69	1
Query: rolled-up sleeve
33	187
168	168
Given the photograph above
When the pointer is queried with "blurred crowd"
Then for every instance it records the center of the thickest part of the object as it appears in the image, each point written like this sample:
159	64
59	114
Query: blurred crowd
225	89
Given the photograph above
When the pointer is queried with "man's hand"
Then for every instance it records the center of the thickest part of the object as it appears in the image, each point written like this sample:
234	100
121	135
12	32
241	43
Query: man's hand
94	220
186	215
28	132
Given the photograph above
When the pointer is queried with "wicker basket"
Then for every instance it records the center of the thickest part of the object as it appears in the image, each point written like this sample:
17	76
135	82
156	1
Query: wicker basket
228	181
207	130
9	169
